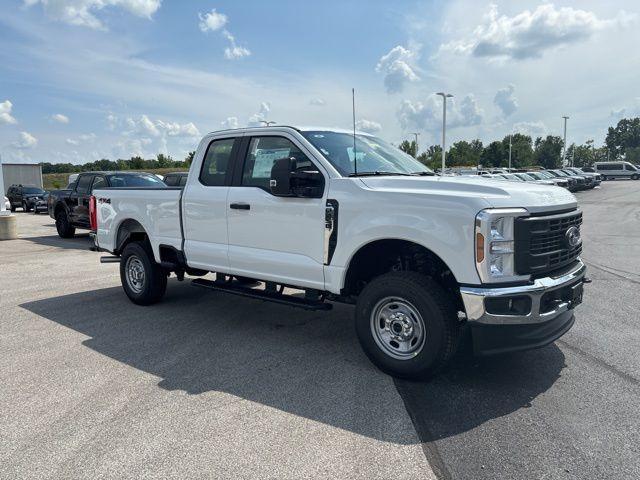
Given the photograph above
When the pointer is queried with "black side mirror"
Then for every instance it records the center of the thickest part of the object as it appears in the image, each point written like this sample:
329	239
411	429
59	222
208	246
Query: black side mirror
289	181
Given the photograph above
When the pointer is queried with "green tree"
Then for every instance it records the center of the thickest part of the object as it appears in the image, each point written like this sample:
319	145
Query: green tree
189	158
409	147
624	139
548	151
493	155
465	153
521	150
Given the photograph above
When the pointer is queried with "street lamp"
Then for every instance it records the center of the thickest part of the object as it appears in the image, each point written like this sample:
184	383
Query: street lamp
415	134
564	143
444	124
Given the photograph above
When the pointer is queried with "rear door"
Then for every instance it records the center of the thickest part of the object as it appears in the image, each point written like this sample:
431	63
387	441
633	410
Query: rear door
270	237
204	205
78	200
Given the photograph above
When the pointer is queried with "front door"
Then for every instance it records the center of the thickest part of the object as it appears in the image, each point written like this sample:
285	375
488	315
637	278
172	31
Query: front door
274	238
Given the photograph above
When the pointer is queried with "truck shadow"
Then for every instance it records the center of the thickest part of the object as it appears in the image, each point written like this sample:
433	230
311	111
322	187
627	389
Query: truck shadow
80	242
305	363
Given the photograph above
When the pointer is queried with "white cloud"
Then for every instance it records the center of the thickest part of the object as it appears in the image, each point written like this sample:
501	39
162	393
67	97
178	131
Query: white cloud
71	141
60	118
5	112
533	129
212	21
506	100
86	137
26	141
256	119
83	12
233	51
368	126
397	67
174	129
418	115
318	102
530	33
230	122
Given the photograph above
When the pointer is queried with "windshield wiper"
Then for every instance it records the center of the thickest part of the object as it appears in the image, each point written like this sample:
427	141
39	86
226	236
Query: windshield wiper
423	174
378	172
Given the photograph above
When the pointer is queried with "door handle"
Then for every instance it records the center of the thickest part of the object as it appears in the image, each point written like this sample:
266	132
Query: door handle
240	206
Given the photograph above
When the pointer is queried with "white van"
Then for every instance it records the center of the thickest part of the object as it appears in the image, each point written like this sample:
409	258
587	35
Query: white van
610	170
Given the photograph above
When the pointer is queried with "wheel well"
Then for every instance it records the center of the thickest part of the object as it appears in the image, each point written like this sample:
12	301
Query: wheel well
59	208
382	256
129	231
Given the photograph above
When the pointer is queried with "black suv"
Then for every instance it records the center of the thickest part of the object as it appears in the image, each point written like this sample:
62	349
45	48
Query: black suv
24	196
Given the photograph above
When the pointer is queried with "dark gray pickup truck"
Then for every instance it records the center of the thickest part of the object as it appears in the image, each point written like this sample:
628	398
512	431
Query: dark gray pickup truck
70	207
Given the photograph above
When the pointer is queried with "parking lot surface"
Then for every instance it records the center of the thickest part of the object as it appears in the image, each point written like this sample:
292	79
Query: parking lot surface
206	384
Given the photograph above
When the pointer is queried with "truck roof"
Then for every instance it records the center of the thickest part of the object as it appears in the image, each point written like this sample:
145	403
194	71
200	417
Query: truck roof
299	128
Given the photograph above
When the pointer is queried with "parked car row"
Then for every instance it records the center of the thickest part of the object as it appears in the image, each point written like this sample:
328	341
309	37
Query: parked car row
571	178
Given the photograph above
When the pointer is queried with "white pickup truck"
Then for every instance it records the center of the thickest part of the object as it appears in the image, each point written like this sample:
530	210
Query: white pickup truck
349	218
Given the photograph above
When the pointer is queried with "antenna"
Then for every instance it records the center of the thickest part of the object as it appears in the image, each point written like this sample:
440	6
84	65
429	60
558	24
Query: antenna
355	157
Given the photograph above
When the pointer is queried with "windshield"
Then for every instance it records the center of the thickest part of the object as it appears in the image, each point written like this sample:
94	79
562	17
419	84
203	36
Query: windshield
140	180
525	177
560	173
37	191
511	176
372	154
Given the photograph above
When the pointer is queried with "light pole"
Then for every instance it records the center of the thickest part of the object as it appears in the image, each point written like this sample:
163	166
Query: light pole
564	143
415	134
444	124
510	145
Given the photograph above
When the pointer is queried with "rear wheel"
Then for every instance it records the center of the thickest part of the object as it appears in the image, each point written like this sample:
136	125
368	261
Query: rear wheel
13	207
143	280
407	325
63	225
634	177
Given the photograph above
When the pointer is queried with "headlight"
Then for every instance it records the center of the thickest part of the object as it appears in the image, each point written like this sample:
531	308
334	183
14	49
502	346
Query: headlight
495	245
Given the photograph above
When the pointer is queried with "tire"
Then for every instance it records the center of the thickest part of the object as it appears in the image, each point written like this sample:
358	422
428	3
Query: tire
634	177
26	207
143	280
12	207
425	315
63	225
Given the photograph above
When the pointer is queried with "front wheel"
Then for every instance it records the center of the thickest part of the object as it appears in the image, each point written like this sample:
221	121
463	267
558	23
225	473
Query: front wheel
634	177
407	325
143	280
26	207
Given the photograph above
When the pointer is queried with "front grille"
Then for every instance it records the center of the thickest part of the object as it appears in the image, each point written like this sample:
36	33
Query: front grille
541	243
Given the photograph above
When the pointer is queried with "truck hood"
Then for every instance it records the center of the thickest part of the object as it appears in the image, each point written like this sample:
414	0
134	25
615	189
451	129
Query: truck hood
498	194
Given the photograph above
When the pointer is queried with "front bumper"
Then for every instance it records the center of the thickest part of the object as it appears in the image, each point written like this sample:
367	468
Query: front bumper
545	312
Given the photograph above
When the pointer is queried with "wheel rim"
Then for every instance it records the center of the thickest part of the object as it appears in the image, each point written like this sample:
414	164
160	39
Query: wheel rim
398	328
134	273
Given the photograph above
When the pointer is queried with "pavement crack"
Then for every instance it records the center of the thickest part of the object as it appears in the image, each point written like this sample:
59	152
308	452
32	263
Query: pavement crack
429	448
613	271
616	371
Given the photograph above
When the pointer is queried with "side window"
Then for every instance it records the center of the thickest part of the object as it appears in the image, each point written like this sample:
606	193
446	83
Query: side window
84	182
262	154
170	180
216	162
183	181
98	182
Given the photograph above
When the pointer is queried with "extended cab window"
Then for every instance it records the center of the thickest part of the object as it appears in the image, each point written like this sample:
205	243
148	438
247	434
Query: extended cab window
216	162
84	182
98	182
263	152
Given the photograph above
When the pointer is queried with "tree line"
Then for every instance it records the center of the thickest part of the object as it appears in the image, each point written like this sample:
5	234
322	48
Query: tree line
134	163
621	143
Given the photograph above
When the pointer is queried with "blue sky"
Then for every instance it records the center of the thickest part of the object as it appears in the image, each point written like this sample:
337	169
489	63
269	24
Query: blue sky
88	79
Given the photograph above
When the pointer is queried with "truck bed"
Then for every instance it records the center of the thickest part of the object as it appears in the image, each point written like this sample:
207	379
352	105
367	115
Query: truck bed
156	209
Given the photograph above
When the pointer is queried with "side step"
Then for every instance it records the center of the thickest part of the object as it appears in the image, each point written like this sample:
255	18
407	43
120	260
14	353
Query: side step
265	295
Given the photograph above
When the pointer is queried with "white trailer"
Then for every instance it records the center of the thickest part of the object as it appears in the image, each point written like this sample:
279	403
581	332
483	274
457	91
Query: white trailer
21	174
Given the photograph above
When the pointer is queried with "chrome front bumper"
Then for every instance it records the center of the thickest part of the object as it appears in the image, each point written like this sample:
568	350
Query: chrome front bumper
474	299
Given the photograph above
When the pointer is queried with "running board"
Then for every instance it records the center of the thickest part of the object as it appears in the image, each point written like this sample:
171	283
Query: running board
265	295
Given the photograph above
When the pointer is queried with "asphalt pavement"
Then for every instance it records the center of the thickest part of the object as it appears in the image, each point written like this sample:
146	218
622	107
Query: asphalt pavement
208	385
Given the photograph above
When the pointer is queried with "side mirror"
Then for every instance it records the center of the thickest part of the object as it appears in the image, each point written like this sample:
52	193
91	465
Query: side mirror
288	181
